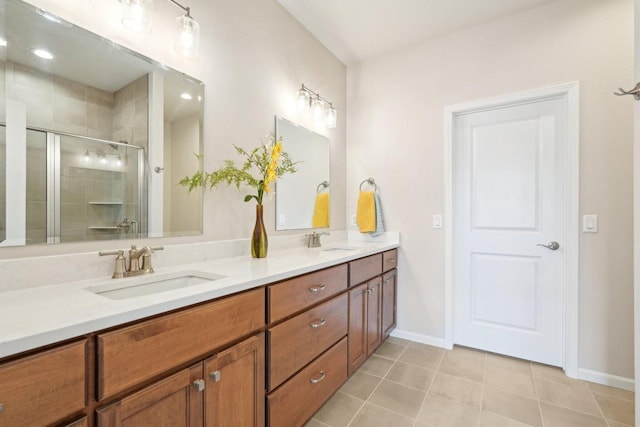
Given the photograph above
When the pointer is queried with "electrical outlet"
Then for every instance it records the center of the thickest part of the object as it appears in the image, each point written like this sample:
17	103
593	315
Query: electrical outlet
353	219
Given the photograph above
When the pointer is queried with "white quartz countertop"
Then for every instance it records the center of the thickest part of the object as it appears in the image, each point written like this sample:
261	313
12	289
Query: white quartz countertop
35	317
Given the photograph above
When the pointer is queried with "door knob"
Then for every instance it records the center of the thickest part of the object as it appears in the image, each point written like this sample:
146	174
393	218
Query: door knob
554	246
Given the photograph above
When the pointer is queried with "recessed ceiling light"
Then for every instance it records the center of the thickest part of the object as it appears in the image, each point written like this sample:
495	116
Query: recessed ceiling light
186	96
41	53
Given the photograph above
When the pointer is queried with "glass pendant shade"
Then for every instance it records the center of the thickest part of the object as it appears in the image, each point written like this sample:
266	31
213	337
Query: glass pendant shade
302	100
331	117
317	109
136	15
187	36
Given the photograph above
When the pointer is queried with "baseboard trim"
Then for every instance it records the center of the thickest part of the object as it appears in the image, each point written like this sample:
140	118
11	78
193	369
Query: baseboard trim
424	339
606	379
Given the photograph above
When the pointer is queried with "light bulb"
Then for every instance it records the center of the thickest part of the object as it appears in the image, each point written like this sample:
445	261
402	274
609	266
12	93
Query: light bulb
331	117
135	16
41	53
187	36
302	99
186	96
317	109
87	157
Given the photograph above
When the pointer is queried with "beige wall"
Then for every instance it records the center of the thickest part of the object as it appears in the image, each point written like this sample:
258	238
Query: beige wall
254	56
395	134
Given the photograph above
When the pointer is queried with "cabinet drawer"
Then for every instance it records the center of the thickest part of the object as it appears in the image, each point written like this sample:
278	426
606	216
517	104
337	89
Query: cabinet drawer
294	295
43	388
300	397
364	269
142	351
389	260
299	340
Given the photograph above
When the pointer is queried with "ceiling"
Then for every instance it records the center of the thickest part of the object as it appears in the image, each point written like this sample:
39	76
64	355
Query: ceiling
355	30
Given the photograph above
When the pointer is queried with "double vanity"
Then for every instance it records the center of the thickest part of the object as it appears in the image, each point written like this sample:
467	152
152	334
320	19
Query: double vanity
233	341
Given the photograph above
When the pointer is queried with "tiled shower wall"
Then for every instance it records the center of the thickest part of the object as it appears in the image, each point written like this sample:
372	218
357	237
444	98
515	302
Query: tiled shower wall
61	105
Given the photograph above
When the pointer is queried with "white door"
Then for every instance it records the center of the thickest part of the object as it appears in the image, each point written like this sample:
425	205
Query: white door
507	186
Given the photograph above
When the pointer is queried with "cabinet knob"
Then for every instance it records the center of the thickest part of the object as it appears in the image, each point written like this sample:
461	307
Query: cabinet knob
318	379
370	290
199	385
386	281
317	324
215	375
317	288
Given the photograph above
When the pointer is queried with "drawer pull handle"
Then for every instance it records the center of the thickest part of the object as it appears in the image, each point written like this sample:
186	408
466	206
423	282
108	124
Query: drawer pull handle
370	290
386	281
215	376
317	288
1	408
317	380
317	324
391	260
199	385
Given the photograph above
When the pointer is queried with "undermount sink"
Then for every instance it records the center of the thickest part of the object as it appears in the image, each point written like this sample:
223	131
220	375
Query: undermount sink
342	248
152	284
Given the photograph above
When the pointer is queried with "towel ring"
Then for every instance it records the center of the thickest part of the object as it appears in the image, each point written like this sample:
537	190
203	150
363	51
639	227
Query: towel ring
322	186
369	181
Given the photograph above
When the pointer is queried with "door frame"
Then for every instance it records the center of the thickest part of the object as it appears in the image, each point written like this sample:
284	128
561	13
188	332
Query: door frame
571	208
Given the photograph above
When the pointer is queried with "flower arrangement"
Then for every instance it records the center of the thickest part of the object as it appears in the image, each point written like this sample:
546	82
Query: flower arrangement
268	160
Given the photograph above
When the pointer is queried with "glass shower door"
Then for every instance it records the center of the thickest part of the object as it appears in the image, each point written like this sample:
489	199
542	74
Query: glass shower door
100	190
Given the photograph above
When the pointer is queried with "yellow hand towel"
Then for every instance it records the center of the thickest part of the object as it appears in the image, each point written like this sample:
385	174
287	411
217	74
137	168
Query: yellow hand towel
321	211
366	212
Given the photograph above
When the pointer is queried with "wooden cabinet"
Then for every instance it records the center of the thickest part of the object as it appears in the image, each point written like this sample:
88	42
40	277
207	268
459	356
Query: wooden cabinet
297	294
389	260
45	388
82	422
176	401
131	355
234	394
299	398
225	390
364	269
365	331
389	289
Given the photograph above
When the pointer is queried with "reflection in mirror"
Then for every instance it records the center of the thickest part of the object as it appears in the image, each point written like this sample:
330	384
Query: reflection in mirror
104	133
302	199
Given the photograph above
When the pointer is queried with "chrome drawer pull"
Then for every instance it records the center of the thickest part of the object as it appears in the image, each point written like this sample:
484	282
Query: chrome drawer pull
391	260
1	408
317	380
316	325
386	281
317	288
199	385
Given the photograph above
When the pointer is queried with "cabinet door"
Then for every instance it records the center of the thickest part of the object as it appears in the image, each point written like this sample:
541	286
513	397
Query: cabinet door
44	388
374	308
175	401
357	327
389	286
235	386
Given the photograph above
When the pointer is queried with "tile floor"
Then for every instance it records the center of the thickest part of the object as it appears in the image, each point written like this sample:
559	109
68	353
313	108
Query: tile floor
406	384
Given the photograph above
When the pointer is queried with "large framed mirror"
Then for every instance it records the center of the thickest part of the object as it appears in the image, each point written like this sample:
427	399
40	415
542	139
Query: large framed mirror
94	137
302	198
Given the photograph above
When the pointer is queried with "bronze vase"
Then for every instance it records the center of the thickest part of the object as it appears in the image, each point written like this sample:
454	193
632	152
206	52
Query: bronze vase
259	242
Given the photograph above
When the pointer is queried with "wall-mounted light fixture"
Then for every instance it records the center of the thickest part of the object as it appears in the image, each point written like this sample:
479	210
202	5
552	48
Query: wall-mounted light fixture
137	18
321	109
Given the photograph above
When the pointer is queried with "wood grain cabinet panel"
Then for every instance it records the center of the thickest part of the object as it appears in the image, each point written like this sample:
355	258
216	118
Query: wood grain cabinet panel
374	315
357	327
44	388
294	295
364	269
172	402
389	260
82	422
235	391
300	397
389	289
145	350
299	340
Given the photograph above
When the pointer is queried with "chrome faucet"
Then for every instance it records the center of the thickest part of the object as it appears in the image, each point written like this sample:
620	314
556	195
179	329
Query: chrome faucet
135	268
314	239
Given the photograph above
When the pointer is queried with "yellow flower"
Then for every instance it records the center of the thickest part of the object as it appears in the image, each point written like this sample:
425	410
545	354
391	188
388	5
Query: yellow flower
266	187
278	147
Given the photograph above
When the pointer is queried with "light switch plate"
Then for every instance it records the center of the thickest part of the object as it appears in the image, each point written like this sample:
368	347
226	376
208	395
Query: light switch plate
353	219
590	223
437	221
